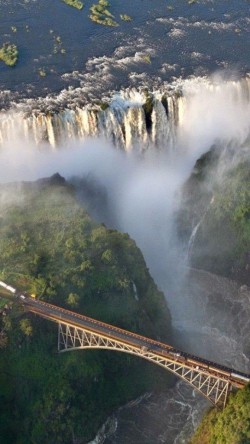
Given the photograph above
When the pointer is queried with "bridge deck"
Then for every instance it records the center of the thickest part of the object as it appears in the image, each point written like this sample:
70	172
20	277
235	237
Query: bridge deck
212	380
61	315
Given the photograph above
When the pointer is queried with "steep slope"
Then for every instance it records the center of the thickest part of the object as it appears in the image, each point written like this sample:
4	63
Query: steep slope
216	205
51	247
230	426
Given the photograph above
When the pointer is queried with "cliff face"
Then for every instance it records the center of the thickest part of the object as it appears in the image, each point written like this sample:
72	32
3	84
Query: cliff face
50	246
216	206
215	217
223	241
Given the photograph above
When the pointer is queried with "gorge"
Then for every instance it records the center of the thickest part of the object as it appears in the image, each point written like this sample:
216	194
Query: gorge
155	165
124	195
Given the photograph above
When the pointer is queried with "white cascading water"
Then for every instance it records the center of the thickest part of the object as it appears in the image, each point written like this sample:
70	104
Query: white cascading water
110	128
162	127
124	121
86	120
135	129
184	123
195	230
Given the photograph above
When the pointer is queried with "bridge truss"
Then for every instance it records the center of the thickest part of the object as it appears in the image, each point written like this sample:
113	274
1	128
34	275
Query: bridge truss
214	388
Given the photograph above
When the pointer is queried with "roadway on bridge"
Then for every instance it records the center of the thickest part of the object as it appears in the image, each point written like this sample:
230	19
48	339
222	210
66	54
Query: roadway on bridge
75	320
60	315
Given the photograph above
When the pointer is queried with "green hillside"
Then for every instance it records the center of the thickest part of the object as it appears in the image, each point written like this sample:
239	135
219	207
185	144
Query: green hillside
223	240
230	426
51	247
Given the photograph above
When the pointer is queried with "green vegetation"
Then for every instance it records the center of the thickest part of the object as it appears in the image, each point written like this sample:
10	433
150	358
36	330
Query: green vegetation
51	247
103	105
42	72
125	17
101	15
57	44
230	426
75	3
3	302
9	54
223	240
146	58
222	203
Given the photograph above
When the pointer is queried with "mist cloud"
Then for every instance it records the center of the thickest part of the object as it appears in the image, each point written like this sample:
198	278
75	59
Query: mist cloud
143	191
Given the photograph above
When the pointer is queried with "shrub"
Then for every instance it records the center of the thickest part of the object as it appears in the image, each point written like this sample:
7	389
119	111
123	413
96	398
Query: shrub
9	54
75	3
125	17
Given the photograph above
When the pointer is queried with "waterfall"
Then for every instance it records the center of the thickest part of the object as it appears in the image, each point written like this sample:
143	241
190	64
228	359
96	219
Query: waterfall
195	230
192	238
110	127
162	126
135	292
131	120
135	129
86	122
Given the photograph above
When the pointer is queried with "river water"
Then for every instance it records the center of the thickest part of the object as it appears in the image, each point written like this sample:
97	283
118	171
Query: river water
169	417
165	40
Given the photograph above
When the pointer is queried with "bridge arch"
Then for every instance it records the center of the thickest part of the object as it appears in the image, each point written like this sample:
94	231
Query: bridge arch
214	388
78	331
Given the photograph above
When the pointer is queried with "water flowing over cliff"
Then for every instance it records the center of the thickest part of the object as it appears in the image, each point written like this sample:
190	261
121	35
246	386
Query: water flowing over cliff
131	119
158	137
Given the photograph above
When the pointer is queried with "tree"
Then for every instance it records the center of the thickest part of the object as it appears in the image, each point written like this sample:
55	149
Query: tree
26	327
3	339
73	300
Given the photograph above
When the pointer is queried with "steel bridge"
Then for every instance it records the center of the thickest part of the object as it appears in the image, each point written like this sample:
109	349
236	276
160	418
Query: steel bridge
77	331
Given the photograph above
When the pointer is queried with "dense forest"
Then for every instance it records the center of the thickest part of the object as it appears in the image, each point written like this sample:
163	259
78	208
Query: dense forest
230	426
51	247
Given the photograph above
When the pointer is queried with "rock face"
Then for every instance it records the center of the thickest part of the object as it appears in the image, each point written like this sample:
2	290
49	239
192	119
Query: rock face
215	214
216	316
